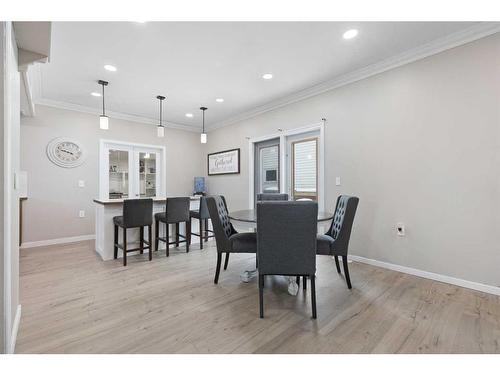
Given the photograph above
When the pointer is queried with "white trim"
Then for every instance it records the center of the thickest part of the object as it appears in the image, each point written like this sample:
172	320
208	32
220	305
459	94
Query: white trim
15	330
112	114
429	275
56	241
468	35
282	135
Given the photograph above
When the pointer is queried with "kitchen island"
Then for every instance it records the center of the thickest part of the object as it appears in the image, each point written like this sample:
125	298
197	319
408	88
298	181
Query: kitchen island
106	209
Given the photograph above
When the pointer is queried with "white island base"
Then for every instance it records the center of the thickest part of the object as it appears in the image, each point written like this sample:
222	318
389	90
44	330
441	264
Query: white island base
104	228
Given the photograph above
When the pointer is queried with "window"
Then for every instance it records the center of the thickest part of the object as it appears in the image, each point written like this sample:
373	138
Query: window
305	169
130	171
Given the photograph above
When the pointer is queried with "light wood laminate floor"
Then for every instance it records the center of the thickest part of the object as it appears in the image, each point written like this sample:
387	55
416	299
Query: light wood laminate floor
72	302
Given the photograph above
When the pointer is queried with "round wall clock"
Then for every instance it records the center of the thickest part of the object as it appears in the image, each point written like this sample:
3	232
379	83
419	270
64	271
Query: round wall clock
65	152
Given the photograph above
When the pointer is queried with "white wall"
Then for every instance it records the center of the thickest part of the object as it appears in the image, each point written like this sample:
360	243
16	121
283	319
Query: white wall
419	144
10	197
54	197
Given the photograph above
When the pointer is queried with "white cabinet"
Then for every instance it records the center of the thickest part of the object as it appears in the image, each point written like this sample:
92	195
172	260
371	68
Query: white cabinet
129	170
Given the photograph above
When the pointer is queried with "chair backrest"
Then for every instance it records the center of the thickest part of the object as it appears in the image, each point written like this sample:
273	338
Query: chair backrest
340	229
137	212
286	237
203	210
177	209
221	223
272	197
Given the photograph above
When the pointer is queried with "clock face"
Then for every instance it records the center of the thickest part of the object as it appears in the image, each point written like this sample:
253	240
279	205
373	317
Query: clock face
65	153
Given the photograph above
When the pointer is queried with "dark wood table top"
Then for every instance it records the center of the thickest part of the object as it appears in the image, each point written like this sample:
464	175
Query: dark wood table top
250	216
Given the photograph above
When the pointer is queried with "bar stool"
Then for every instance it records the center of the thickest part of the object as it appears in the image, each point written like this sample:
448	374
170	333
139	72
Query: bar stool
177	211
137	213
202	215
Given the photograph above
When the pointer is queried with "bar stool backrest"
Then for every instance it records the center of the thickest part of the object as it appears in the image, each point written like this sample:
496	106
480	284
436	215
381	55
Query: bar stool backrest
204	214
177	209
137	212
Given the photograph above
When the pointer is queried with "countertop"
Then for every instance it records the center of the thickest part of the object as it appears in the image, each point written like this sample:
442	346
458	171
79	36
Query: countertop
120	201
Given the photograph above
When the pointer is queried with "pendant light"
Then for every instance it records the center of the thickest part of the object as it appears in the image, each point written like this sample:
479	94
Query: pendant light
203	137
103	119
160	130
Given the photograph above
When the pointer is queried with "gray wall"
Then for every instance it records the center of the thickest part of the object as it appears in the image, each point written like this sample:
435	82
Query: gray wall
419	144
51	210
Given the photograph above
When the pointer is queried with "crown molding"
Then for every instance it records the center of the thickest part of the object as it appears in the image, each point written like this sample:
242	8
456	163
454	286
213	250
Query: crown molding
456	39
111	114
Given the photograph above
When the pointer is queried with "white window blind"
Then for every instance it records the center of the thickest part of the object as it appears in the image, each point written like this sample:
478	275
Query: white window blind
305	166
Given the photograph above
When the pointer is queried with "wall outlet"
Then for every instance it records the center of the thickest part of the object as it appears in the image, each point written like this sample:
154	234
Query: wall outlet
400	229
81	183
81	213
337	181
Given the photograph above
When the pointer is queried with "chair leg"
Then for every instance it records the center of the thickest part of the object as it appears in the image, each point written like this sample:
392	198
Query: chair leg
176	234
206	230
157	234
261	296
115	247
167	234
313	295
150	232
124	246
304	282
188	235
298	281
337	263
217	269
256	261
226	261
141	240
346	271
201	233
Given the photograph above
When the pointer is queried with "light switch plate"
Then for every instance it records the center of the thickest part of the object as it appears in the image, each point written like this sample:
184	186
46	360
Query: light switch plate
337	181
81	183
81	213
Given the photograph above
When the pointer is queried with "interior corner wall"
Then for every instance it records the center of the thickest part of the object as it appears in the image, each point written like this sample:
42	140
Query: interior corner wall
419	144
54	198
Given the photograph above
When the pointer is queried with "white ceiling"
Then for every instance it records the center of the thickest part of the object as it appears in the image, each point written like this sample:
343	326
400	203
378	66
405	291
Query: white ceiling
194	63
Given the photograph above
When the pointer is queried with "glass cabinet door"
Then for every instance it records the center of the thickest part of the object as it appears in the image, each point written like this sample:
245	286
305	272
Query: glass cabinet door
131	171
118	174
147	174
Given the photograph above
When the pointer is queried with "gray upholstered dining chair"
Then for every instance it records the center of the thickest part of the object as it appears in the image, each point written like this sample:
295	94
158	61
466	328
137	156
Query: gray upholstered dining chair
228	240
137	213
176	212
335	242
272	197
286	243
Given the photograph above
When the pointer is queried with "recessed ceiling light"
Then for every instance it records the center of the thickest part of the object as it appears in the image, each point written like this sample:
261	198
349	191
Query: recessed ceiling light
267	76
95	94
349	34
189	115
110	68
219	100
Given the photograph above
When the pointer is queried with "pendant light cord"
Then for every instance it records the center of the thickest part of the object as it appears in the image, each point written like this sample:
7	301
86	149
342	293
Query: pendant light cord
203	131
103	112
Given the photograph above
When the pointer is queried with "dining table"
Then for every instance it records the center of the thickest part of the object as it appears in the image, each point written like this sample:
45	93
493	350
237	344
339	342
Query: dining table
250	216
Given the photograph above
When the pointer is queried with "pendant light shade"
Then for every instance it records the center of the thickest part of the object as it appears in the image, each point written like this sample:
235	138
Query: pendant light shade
104	122
203	136
160	130
103	119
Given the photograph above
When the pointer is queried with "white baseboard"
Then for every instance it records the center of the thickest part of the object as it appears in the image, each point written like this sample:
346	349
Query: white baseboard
55	241
15	329
429	275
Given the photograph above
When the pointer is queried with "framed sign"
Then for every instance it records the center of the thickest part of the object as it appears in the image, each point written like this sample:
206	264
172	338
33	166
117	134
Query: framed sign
224	162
